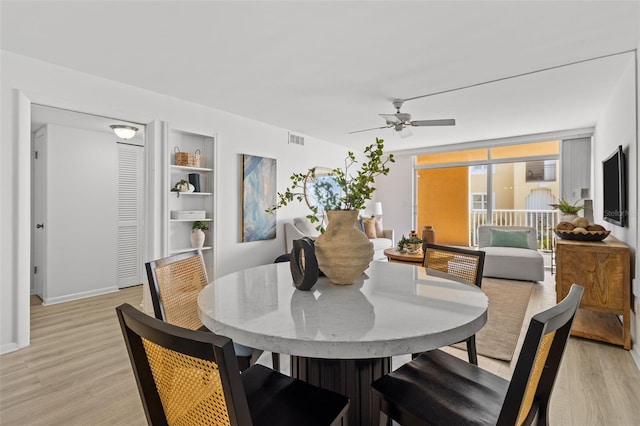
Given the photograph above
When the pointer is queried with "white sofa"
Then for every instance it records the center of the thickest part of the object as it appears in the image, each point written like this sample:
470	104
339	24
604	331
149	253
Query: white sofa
301	227
514	263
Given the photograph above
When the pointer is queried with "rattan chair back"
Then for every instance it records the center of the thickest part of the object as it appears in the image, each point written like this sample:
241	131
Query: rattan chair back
539	361
175	283
438	388
184	377
458	264
463	264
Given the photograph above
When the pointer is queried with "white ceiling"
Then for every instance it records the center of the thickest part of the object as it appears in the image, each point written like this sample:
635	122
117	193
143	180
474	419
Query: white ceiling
323	68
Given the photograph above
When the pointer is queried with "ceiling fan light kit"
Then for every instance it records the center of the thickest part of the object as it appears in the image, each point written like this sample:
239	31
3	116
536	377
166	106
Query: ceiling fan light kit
400	120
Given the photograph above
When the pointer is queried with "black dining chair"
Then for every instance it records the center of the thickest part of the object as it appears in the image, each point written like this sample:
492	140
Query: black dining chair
458	264
191	377
175	283
440	389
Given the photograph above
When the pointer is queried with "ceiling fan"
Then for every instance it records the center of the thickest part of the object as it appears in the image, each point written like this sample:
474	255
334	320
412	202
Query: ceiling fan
400	120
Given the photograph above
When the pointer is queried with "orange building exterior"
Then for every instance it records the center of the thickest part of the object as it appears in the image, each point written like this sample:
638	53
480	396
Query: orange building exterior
444	193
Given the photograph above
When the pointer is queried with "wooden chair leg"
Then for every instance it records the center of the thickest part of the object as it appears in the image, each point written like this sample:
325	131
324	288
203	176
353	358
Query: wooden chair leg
471	350
275	361
244	362
543	414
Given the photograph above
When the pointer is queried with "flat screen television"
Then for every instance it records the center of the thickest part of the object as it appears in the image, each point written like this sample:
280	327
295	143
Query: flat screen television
614	175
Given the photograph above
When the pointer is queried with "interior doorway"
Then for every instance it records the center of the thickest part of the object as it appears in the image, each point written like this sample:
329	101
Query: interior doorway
87	205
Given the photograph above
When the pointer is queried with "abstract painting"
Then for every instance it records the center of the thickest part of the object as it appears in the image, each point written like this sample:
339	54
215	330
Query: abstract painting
259	194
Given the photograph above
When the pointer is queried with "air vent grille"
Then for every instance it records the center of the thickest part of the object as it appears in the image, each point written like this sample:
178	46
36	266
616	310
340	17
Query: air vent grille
296	139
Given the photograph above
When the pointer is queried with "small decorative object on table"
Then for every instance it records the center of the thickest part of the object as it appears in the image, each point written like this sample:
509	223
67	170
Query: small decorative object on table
197	234
303	264
428	235
411	244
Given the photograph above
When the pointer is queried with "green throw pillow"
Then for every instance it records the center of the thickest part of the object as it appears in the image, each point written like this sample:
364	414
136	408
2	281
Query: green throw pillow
519	239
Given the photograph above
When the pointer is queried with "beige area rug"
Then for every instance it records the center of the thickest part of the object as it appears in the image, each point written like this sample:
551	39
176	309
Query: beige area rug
508	302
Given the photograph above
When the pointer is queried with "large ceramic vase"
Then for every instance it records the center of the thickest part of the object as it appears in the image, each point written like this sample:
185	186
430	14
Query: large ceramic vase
343	251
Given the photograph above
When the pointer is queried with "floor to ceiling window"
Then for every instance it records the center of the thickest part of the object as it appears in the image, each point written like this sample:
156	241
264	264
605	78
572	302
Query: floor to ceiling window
507	185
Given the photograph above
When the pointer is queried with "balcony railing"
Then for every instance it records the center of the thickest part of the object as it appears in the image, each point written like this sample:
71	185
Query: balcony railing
544	221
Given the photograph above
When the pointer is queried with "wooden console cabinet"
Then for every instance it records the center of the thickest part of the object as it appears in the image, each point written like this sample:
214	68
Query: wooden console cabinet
602	268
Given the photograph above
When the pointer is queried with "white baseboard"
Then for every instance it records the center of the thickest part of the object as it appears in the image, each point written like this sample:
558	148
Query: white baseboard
636	358
76	296
8	347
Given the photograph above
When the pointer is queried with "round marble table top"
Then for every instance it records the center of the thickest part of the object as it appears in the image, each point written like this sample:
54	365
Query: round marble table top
393	309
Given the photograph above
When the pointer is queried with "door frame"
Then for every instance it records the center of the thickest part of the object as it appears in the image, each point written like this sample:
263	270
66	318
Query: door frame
23	252
38	212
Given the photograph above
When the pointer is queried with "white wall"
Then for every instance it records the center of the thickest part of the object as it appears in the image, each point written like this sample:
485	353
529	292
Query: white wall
395	191
26	80
617	126
240	136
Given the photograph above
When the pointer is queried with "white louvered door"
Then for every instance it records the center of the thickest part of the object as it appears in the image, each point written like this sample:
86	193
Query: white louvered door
130	214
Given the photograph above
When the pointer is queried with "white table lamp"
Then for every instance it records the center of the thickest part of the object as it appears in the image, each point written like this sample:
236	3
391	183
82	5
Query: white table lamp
377	209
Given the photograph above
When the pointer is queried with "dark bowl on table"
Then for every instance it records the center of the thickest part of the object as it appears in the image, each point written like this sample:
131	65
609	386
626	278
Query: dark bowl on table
579	236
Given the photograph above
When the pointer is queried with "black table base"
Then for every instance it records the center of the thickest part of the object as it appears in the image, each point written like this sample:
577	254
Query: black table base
350	377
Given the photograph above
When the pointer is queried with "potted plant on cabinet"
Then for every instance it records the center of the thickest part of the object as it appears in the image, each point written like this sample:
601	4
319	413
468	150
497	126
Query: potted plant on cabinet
568	211
343	250
197	234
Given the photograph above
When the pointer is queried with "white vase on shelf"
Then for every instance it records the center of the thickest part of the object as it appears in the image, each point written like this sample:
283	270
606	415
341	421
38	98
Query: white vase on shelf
197	238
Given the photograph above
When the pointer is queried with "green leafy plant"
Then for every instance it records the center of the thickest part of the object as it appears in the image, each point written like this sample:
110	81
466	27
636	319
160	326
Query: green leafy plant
355	186
405	242
566	207
402	243
199	225
179	184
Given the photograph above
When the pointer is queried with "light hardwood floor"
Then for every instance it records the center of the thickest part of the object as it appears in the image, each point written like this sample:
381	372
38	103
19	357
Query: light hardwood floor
76	370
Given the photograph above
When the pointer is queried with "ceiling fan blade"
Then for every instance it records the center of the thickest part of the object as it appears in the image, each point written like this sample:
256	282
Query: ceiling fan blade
367	130
443	122
390	118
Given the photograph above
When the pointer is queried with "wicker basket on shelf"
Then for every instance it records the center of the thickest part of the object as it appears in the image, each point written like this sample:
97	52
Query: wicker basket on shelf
196	159
187	159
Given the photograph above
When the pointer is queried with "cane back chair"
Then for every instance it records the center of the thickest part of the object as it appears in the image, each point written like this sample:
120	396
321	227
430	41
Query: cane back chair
440	389
175	283
458	264
191	377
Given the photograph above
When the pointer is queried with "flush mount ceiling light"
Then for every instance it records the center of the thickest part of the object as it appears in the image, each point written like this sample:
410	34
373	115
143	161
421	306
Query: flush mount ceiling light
124	132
